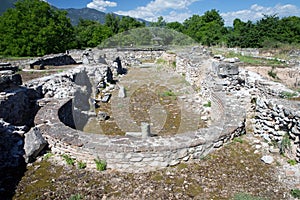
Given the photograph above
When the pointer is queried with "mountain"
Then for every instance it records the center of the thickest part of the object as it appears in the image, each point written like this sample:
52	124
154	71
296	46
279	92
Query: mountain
85	13
73	14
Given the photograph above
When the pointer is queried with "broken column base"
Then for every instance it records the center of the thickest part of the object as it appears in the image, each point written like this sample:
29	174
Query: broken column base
145	131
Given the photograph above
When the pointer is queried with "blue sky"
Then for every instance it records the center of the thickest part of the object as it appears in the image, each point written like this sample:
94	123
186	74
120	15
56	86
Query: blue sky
179	10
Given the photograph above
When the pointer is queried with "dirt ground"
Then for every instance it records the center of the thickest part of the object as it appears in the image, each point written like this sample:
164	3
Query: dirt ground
289	76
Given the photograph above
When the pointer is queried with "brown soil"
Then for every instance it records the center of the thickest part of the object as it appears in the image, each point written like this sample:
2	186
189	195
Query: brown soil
234	169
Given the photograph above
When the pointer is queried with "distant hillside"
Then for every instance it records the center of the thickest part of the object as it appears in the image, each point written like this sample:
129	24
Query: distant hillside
85	13
73	14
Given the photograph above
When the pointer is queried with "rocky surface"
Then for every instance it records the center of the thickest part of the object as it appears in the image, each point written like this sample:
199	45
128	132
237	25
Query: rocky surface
232	171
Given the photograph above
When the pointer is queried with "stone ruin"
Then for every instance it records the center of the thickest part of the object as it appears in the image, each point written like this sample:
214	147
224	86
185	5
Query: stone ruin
52	107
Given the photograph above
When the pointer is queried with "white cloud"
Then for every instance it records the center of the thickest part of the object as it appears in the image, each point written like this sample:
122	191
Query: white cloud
101	4
256	12
157	8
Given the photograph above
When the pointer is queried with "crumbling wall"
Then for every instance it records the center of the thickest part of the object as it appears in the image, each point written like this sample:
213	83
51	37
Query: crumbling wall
277	120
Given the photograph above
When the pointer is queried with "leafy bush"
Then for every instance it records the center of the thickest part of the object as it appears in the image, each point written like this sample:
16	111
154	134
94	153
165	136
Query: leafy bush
100	164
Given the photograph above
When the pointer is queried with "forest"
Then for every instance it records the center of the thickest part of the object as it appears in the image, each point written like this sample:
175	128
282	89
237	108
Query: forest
34	28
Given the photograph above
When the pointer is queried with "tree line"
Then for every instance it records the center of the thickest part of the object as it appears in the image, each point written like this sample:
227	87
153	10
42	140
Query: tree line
34	28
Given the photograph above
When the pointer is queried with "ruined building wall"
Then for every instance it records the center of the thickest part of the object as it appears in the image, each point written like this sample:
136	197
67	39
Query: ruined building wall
276	119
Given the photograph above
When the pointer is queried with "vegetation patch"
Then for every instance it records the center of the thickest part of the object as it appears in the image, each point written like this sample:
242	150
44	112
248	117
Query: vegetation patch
68	159
295	193
81	165
100	164
208	104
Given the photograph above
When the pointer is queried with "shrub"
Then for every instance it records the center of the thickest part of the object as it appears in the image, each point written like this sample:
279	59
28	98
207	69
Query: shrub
100	164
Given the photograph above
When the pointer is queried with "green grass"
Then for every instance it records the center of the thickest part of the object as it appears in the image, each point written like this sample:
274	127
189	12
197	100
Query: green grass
237	139
68	159
295	193
285	144
76	197
288	95
168	93
292	162
208	104
48	155
81	165
272	74
100	164
256	61
161	61
244	196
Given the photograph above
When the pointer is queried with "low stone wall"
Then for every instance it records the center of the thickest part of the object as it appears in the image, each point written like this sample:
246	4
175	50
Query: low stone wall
276	118
138	154
53	60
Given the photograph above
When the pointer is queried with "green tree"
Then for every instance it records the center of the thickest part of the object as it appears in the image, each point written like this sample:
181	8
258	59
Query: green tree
208	29
91	33
160	22
243	34
34	28
112	21
126	23
175	26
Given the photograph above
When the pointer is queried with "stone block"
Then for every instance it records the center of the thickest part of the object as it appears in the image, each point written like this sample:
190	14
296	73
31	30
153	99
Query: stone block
34	144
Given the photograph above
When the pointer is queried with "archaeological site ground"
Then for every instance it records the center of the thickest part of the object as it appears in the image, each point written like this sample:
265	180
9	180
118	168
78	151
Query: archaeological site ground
183	122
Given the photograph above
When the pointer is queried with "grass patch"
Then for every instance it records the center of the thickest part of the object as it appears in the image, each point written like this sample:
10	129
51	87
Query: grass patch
244	196
237	139
272	74
161	61
48	155
292	162
256	61
100	164
76	197
168	93
288	95
285	144
208	104
81	165
68	159
295	193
